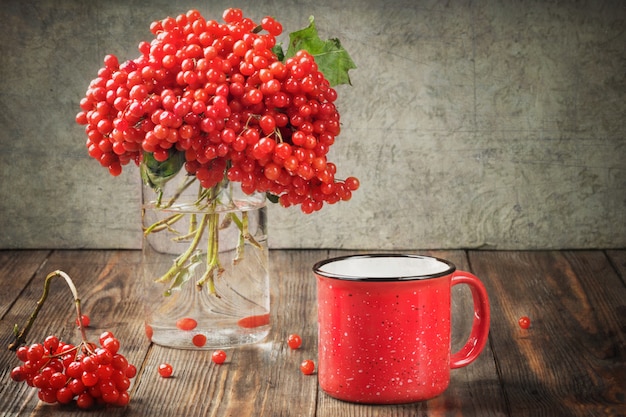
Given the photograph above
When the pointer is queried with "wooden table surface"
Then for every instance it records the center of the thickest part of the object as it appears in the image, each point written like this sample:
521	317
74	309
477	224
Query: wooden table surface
571	362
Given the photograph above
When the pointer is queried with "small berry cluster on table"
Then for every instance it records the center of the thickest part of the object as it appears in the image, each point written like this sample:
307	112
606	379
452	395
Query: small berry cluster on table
86	374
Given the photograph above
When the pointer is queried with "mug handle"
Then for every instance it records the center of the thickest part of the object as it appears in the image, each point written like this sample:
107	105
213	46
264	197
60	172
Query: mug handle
480	326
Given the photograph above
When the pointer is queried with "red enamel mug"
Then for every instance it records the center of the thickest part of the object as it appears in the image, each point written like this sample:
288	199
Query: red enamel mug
384	326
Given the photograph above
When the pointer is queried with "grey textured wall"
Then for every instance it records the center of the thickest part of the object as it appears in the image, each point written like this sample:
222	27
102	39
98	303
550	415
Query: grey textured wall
492	124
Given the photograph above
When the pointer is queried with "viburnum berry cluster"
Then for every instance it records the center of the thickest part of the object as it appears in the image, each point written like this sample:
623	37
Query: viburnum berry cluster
86	374
222	100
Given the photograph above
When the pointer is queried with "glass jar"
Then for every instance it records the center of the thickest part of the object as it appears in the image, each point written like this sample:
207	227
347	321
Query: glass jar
205	264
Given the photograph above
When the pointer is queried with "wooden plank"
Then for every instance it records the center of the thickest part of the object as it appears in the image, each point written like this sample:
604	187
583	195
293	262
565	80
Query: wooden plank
618	260
16	269
571	361
473	391
105	282
257	380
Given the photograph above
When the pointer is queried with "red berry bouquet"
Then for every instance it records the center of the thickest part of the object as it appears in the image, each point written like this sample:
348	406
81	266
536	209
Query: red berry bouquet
220	103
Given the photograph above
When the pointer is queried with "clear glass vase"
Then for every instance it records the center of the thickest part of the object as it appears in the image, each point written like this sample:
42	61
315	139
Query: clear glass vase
205	265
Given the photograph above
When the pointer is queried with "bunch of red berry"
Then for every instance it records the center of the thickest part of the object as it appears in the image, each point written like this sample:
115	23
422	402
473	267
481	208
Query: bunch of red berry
86	374
219	94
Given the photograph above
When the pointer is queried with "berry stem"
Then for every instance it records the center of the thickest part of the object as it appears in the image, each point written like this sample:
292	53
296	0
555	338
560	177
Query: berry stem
180	262
208	199
213	261
163	224
20	338
244	234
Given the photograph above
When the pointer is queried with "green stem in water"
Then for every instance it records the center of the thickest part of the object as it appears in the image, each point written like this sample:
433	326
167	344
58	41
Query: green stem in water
244	234
20	336
163	223
179	263
213	261
193	226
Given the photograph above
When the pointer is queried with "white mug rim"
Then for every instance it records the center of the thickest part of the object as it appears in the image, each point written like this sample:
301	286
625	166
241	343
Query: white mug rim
319	268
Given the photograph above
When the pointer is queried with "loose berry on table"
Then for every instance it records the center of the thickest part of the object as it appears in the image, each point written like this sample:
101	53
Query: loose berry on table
307	367
165	370
524	322
294	341
218	357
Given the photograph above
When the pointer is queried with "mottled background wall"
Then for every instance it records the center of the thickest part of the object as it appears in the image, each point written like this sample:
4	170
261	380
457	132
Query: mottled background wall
491	124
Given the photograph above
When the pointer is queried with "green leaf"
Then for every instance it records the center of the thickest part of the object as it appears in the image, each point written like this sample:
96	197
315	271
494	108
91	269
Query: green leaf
331	58
184	274
155	173
272	198
278	51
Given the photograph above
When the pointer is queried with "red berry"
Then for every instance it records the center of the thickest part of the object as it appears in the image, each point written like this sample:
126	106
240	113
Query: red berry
199	340
352	183
35	352
84	320
57	380
149	331
294	341
22	353
131	371
307	367
48	395
64	395
74	369
218	357
51	343
166	370
524	322
85	401
103	356
90	363
120	362
18	374
104	336
123	399
250	322
76	385
111	344
186	323
89	378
